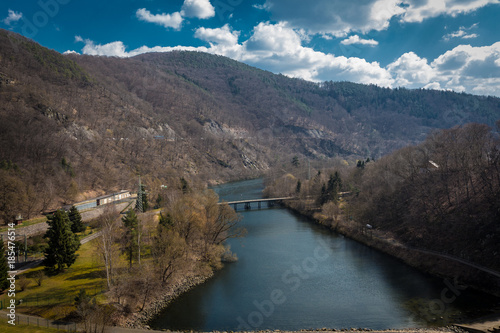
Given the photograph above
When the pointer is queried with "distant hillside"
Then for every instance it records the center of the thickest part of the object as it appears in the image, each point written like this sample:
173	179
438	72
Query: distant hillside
91	124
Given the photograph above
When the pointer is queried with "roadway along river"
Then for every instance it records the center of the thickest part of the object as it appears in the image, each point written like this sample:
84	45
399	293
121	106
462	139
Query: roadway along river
292	275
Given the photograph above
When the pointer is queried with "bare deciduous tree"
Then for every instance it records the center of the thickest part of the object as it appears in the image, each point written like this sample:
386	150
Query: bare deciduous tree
107	247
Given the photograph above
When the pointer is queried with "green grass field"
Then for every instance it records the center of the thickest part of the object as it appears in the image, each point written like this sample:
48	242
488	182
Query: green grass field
54	299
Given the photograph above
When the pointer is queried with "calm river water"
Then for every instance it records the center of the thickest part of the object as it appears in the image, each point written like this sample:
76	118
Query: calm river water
292	274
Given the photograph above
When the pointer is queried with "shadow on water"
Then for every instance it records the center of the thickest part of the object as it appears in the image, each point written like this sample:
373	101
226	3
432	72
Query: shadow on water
292	274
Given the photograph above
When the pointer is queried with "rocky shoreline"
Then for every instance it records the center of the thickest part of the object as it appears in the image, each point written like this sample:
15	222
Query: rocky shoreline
141	319
448	329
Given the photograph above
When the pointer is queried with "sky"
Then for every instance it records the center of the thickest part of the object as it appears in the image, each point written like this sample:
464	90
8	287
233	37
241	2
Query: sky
431	44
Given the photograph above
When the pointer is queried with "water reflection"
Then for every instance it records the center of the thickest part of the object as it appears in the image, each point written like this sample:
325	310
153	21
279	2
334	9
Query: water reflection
284	280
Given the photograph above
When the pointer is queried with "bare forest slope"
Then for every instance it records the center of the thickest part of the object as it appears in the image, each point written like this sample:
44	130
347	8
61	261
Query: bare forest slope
74	126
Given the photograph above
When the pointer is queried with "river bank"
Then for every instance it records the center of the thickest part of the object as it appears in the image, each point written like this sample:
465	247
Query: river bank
458	272
354	286
140	320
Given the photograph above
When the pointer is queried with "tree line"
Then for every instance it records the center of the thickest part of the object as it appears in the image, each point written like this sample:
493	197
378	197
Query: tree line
440	195
142	253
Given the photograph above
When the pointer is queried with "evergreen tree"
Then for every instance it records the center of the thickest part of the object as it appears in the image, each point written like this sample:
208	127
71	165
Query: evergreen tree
76	220
166	221
184	185
330	192
130	246
4	268
159	201
62	245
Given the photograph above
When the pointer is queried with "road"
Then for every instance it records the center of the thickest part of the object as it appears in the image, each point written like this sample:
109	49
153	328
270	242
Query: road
36	263
380	236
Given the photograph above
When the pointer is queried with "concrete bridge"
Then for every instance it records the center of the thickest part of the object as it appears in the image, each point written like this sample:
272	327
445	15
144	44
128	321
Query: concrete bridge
247	204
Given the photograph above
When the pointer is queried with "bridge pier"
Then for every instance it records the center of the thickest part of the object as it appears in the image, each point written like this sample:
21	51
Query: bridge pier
248	203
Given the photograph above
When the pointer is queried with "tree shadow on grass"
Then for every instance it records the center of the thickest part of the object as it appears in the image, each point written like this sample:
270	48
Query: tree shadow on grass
96	274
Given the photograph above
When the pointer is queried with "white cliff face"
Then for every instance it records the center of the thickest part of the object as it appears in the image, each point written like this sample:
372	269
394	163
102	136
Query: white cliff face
225	131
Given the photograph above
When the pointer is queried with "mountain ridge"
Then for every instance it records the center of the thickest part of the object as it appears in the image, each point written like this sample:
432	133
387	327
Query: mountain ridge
191	114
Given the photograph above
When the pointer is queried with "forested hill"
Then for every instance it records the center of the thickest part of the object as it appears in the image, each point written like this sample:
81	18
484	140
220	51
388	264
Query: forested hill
72	124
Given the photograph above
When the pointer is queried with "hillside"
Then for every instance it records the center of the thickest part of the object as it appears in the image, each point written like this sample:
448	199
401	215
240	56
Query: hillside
90	125
433	205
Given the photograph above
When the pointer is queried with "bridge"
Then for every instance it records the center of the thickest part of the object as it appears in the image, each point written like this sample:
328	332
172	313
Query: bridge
248	203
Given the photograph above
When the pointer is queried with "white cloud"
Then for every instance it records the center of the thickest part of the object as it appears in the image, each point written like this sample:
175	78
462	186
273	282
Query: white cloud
335	17
273	38
341	17
417	10
201	9
113	49
222	41
118	49
357	40
278	48
411	71
12	17
173	20
222	35
462	32
464	68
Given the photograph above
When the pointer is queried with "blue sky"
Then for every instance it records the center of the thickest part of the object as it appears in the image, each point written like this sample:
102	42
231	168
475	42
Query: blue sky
434	44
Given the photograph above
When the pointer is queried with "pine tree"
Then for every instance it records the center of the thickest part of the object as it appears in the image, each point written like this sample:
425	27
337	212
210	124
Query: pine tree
76	220
4	268
130	245
166	221
330	192
62	245
298	187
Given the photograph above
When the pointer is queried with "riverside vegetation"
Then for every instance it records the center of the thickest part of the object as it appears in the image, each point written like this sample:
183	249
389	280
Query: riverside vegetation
441	195
138	262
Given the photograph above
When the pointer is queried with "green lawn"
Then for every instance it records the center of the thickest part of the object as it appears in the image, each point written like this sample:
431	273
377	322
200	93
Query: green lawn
55	297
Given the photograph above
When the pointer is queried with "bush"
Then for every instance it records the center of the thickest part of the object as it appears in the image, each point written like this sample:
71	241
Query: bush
23	283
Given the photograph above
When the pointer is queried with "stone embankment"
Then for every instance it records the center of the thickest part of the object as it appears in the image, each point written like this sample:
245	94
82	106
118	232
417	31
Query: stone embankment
154	307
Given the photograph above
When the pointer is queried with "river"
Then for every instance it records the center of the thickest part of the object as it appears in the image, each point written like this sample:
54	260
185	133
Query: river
292	274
